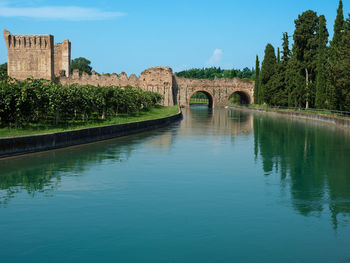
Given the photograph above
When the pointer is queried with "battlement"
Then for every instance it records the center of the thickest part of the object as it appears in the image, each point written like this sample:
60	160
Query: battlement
28	41
36	56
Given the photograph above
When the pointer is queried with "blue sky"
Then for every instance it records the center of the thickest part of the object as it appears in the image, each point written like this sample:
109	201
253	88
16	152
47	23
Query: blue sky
133	35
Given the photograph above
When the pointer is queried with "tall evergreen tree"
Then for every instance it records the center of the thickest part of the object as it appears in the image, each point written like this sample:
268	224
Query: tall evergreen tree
304	48
338	25
340	70
286	50
278	55
321	69
333	92
257	81
278	81
268	69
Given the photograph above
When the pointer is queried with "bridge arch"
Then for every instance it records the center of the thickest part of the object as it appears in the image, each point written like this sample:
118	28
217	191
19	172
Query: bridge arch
209	95
244	97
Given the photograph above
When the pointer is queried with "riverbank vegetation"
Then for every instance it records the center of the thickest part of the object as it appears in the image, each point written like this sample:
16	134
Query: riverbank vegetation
313	74
46	106
150	113
212	73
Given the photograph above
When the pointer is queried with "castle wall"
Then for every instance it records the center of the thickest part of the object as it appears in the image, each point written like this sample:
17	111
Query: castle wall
36	56
62	58
29	56
158	79
219	89
175	90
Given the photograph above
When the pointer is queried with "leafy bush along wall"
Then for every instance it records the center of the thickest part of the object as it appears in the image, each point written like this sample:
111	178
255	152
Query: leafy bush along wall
158	79
30	101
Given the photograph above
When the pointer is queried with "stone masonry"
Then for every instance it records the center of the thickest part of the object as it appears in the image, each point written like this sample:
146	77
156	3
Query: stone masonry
36	56
175	90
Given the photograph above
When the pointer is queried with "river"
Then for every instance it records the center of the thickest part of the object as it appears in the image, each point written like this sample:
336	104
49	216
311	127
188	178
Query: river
220	186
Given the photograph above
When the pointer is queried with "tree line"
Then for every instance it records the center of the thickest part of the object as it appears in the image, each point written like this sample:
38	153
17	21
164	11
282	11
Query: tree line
314	73
37	101
213	72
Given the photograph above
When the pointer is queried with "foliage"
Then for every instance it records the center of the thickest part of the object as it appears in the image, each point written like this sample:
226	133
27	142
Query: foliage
339	25
81	64
150	113
257	81
268	69
3	69
33	101
321	70
312	74
212	73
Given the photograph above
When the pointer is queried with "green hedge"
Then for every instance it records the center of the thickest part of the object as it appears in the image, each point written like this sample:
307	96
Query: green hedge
32	100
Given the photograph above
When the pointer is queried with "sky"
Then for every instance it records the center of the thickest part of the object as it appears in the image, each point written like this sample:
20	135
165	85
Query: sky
130	36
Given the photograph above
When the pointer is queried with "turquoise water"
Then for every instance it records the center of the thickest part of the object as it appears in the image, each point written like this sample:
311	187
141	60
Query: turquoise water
219	186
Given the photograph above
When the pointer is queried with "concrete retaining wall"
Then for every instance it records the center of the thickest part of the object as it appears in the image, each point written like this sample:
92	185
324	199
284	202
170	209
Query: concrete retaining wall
29	144
302	115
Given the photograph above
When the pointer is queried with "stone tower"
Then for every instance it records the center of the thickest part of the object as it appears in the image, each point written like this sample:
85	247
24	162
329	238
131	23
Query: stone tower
36	56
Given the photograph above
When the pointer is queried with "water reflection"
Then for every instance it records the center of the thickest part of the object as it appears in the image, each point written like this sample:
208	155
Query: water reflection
312	159
200	120
42	172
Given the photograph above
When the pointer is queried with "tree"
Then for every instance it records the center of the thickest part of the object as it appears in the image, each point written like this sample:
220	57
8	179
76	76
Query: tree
339	67
82	64
257	80
278	55
338	25
278	81
333	93
3	68
286	50
268	69
305	47
321	69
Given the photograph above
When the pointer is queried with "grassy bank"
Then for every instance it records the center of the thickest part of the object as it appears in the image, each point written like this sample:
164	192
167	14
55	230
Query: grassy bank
152	113
306	111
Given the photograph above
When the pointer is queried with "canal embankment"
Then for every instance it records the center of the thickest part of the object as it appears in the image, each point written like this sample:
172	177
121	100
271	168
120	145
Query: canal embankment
334	120
12	146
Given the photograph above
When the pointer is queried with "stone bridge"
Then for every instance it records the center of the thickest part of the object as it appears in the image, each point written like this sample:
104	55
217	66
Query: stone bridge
175	90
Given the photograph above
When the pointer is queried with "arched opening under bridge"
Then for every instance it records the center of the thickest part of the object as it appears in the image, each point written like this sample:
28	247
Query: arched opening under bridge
238	98
201	98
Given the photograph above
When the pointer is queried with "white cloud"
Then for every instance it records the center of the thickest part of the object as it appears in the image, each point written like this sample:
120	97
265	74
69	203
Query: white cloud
71	13
215	59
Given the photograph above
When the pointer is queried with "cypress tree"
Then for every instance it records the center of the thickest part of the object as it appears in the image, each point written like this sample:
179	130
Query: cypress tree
257	81
278	81
340	70
305	47
278	55
338	25
321	70
268	69
286	50
333	92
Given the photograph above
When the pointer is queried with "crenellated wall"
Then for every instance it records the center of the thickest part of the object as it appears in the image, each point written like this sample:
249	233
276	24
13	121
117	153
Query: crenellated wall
62	58
36	56
29	55
175	90
158	79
